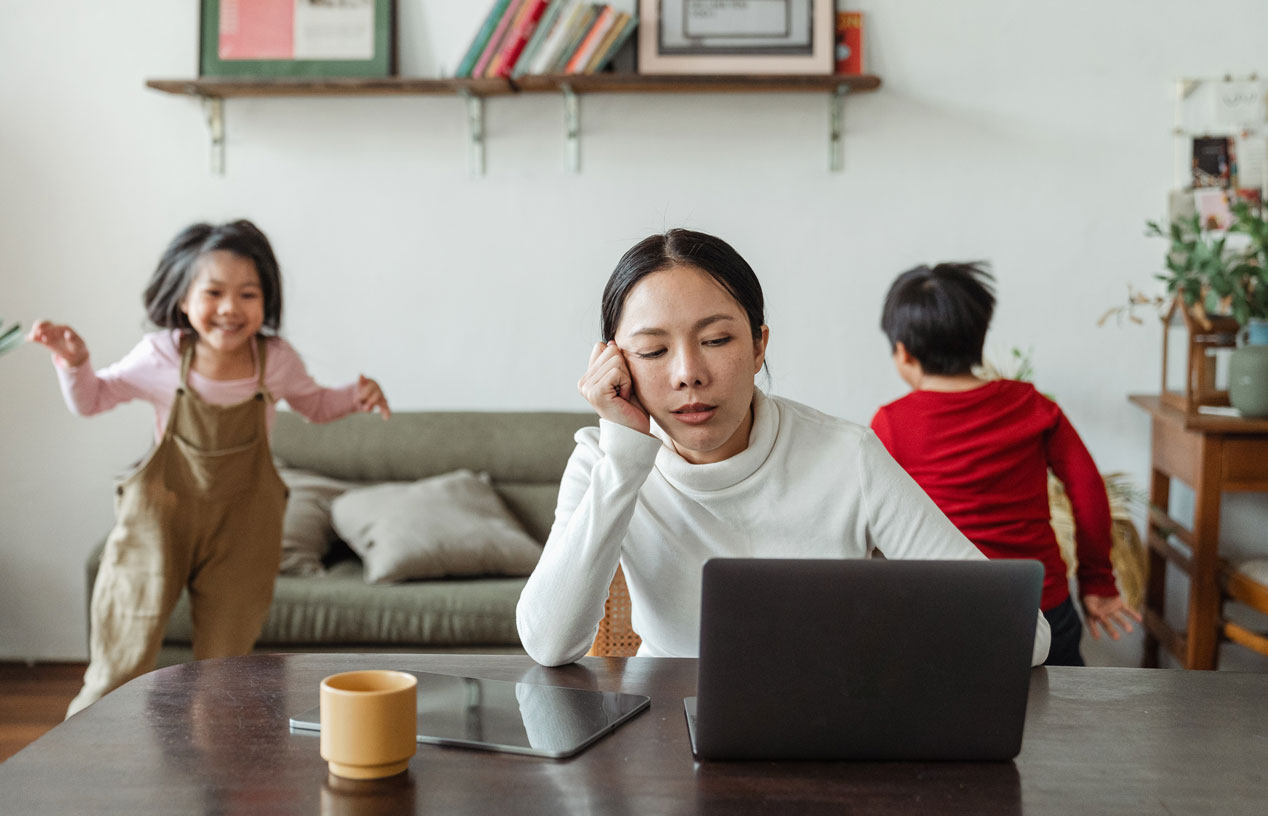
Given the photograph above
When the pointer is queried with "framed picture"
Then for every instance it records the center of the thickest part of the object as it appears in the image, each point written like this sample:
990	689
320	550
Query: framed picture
297	38
736	36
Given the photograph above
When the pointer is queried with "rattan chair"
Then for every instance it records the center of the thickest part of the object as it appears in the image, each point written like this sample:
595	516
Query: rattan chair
1127	553
1246	583
616	637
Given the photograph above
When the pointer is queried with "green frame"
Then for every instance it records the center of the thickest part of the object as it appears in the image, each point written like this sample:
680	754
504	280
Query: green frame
383	64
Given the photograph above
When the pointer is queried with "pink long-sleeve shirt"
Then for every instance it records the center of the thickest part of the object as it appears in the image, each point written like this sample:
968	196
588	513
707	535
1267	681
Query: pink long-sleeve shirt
151	372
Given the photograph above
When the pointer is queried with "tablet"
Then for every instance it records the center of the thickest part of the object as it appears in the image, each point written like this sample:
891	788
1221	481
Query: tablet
501	715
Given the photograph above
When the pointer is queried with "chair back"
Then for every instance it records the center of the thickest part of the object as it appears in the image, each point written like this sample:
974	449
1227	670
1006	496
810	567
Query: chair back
616	637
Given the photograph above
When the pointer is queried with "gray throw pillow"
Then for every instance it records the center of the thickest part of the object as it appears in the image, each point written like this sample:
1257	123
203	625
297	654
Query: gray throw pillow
306	529
453	524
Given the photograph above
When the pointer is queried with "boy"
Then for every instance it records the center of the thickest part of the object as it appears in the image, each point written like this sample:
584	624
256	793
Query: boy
981	449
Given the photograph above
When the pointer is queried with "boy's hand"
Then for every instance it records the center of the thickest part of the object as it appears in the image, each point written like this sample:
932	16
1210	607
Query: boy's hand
68	348
609	388
1107	613
370	396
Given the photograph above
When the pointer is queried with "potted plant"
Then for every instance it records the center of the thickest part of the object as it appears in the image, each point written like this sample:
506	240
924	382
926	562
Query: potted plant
1248	365
1213	276
1248	279
1217	288
1218	280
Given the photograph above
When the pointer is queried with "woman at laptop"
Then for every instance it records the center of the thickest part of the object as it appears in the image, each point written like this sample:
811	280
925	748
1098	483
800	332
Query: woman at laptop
692	461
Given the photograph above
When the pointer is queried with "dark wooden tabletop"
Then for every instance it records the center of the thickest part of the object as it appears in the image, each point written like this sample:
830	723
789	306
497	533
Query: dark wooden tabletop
212	737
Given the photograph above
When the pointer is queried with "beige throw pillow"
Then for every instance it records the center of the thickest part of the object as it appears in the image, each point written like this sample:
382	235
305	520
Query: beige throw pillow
306	529
453	524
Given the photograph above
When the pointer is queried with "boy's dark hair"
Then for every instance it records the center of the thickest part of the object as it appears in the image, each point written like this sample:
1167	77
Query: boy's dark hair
680	247
179	265
941	315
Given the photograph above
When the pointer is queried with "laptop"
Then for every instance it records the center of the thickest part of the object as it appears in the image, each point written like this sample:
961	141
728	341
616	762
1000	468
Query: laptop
864	659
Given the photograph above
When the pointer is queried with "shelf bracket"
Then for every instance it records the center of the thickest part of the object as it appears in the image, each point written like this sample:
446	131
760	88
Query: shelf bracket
836	117
475	127
572	129
214	110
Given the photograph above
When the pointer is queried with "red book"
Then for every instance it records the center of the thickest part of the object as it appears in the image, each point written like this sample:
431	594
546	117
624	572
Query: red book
517	38
849	52
495	42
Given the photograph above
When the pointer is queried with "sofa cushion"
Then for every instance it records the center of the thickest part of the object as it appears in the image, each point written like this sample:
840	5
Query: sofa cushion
448	525
340	608
306	530
524	451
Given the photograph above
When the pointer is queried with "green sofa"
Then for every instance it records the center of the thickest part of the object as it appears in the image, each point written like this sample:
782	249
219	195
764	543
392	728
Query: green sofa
524	453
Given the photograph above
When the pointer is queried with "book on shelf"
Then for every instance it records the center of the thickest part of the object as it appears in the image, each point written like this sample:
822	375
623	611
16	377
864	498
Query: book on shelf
584	23
520	32
522	37
625	24
481	40
558	38
544	27
497	38
590	42
849	43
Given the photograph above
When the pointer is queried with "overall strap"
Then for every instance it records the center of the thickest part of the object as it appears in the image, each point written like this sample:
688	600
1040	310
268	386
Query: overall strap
261	357
187	357
262	392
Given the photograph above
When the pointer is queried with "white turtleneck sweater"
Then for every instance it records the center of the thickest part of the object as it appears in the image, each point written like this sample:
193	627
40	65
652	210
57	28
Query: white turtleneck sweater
807	486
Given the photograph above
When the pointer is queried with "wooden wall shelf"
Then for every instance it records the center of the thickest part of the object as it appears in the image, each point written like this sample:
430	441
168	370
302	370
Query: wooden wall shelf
212	92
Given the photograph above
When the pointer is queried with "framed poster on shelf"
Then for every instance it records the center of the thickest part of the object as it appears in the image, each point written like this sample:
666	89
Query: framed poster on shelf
297	38
736	36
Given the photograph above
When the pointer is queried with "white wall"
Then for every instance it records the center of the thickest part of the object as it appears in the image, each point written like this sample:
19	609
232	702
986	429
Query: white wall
1036	135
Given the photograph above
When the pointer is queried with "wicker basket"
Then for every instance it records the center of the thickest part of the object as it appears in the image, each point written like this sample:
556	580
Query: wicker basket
1127	553
616	637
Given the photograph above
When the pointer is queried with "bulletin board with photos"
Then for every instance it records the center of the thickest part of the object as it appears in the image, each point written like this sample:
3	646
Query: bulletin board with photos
1221	148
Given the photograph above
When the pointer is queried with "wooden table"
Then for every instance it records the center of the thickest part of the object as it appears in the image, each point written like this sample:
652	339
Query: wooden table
212	737
1212	455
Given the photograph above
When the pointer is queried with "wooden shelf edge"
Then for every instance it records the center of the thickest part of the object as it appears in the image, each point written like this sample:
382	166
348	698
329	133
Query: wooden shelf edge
696	83
228	87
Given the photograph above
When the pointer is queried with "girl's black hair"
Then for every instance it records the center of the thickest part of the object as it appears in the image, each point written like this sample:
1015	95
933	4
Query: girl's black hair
179	264
680	247
941	315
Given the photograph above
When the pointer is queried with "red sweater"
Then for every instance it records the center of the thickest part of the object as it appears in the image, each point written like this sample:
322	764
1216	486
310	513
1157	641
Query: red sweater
983	457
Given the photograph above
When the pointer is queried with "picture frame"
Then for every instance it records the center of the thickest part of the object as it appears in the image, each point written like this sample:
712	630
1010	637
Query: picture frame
736	36
297	38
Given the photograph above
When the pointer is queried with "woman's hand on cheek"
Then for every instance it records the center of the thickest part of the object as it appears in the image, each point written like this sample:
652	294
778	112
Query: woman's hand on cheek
609	388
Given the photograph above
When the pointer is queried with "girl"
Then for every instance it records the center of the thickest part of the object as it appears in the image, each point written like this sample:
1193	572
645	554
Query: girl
204	510
690	461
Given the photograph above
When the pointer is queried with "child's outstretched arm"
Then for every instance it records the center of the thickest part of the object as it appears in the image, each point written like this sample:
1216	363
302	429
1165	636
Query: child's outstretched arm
139	375
1093	536
288	379
68	347
370	396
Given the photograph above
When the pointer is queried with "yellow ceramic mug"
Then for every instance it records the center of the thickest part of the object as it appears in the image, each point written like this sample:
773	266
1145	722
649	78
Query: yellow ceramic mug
368	720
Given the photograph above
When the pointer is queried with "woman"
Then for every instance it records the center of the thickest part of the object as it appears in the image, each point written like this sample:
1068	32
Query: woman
690	461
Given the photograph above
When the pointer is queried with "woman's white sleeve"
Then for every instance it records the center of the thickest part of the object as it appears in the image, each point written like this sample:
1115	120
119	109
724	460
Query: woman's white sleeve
561	606
903	522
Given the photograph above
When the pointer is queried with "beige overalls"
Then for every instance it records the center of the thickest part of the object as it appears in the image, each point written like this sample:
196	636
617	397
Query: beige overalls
204	511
